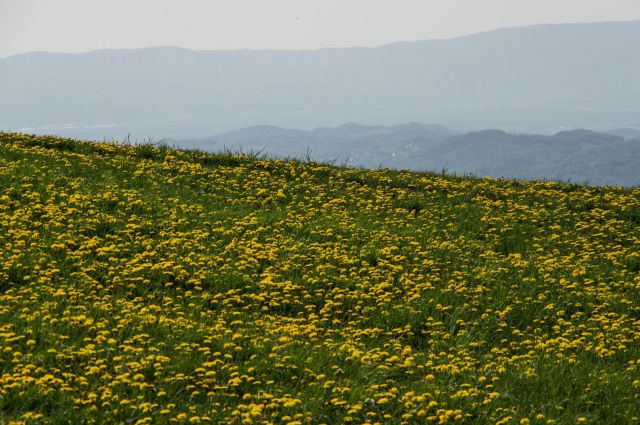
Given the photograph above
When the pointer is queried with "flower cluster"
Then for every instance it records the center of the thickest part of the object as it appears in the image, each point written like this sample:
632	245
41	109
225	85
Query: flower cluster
142	284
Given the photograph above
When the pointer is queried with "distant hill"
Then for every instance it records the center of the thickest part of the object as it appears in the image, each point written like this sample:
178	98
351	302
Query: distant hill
576	155
535	79
627	133
352	143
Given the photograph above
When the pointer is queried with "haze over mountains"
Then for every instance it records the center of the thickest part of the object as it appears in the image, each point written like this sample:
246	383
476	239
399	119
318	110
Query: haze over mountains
543	78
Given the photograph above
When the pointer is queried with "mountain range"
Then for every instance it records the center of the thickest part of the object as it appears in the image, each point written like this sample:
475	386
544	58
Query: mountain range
543	79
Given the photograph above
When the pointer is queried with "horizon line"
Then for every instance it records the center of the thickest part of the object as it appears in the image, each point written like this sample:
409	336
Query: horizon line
249	49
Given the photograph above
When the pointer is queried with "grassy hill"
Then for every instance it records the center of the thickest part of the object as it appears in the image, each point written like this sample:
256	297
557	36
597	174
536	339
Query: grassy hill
149	285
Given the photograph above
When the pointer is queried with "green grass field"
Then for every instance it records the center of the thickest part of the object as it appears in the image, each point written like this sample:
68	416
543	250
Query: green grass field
150	285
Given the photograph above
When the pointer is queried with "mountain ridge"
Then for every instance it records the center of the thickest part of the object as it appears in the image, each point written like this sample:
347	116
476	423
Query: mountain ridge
384	45
520	79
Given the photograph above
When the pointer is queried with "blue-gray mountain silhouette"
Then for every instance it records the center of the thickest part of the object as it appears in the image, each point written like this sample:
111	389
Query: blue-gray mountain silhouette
533	79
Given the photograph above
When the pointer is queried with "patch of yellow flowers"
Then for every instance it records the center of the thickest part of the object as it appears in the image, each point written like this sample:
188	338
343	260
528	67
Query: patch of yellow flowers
149	285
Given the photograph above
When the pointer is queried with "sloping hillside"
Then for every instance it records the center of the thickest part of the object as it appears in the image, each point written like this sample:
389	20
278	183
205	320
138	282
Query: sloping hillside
148	285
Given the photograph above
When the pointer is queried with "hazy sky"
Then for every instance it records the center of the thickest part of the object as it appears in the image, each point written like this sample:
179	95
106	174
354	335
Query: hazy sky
82	25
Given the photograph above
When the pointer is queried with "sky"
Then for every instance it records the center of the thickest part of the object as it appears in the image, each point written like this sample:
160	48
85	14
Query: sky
84	25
